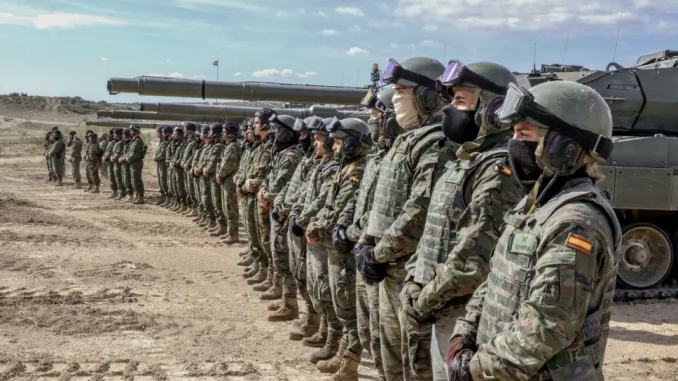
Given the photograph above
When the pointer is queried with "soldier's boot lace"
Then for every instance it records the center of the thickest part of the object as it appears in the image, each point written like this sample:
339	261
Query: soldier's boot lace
330	348
260	277
332	365
219	232
161	200
288	311
252	271
89	188
139	201
317	340
245	261
267	283
348	371
275	292
307	327
114	194
96	189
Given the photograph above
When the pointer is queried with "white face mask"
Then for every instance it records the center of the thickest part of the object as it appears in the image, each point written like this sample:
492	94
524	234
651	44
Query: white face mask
406	113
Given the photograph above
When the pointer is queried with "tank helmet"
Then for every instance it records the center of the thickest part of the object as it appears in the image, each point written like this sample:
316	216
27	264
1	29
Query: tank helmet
189	126
111	131
57	134
126	132
55	128
381	99
421	74
179	130
71	133
119	131
87	134
574	120
285	128
354	133
265	116
159	129
216	130
243	126
231	129
134	129
93	136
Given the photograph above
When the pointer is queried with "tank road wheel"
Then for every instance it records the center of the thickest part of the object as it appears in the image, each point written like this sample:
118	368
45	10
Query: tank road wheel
646	256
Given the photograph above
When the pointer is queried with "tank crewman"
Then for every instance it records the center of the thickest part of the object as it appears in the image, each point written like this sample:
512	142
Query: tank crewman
75	143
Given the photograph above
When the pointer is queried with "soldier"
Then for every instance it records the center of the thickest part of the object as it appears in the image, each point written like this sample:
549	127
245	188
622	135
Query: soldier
544	311
93	156
112	142
207	158
49	139
56	153
170	148
464	218
116	157
135	158
312	199
193	141
103	144
245	162
178	171
352	140
197	182
161	167
229	164
210	168
284	160
383	129
126	170
406	177
90	181
75	142
282	207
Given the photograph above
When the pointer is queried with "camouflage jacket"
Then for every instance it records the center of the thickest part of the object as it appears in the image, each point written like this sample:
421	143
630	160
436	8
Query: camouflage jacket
170	149
94	153
76	147
109	149
545	308
292	190
197	157
136	150
245	159
48	146
57	149
191	146
230	159
118	151
282	167
126	151
210	158
103	143
178	155
258	168
161	151
316	190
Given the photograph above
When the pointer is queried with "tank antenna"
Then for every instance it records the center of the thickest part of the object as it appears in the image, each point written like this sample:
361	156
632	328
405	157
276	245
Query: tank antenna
621	15
534	58
567	40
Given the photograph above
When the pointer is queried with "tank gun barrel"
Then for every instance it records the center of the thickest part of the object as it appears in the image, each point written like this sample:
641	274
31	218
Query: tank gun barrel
124	123
144	115
250	91
247	112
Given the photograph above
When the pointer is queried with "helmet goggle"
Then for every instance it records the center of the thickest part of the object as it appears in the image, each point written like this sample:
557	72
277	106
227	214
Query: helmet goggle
457	73
371	101
337	130
394	72
519	105
274	120
300	126
316	125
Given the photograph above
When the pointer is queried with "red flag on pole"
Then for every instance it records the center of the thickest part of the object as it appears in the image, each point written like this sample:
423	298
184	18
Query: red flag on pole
215	63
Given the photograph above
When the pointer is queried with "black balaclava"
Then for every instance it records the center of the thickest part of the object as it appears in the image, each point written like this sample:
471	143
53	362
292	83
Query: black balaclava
459	125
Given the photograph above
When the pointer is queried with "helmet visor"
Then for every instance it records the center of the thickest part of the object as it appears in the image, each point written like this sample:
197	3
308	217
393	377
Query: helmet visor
395	72
274	120
457	73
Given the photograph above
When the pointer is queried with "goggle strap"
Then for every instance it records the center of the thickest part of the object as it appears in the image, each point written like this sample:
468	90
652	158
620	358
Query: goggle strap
414	77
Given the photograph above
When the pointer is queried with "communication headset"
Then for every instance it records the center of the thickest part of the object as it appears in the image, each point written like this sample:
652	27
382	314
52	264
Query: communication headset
487	113
564	155
427	98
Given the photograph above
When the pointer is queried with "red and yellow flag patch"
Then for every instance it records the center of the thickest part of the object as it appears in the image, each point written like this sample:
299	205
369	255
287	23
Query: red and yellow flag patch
505	170
580	243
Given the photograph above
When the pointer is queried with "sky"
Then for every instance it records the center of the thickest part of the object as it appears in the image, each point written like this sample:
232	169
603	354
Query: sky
72	47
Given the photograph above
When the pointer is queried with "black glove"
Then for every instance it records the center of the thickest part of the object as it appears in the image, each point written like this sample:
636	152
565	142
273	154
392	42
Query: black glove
294	228
459	368
371	270
275	212
340	241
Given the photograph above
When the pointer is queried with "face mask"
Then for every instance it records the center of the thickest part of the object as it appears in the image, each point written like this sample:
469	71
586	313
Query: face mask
458	125
524	162
406	113
373	124
305	144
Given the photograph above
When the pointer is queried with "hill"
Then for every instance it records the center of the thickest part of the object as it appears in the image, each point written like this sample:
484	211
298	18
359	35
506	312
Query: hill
72	109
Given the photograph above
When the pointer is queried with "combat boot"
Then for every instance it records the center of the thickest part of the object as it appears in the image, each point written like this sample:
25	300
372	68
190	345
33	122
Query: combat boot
89	188
184	209
192	212
209	224
348	371
318	339
78	185
275	306
204	221
177	206
96	189
288	311
165	201
132	198
260	277
219	232
114	194
59	183
161	200
332	365
268	283
170	203
197	218
139	201
330	348
308	325
275	292
122	196
244	253
49	180
252	271
246	261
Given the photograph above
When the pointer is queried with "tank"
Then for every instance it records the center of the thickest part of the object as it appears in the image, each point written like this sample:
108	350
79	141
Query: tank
128	123
138	115
641	176
250	91
248	112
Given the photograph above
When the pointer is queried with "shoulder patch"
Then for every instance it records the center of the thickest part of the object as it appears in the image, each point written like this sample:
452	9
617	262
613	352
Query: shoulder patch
268	150
501	166
290	153
355	179
580	243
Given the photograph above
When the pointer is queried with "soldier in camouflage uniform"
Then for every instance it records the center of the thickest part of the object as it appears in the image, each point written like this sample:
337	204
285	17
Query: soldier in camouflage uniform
75	143
248	256
126	171
544	311
135	158
212	190
312	199
170	149
161	166
112	142
229	164
178	171
57	151
404	190
103	144
284	161
192	142
352	140
464	217
282	207
93	156
88	174
197	175
49	139
116	156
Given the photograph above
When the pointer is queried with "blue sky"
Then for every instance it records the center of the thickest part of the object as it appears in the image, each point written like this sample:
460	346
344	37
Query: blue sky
71	47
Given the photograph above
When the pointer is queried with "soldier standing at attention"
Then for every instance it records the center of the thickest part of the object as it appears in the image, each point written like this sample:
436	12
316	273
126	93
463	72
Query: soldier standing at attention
544	311
93	160
230	160
49	140
75	143
161	167
112	142
103	144
116	157
56	154
192	144
135	158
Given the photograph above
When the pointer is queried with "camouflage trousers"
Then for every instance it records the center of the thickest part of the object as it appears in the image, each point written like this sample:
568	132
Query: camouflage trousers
394	353
170	182
217	201
318	282
342	274
58	167
103	170
127	178
179	180
197	200
136	169
367	304
297	250
93	167
190	188
230	207
263	226
445	320
281	257
113	180
251	229
119	178
75	168
162	177
88	174
206	197
50	168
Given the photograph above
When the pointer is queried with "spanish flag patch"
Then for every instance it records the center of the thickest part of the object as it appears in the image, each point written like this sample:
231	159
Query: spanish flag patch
503	169
580	243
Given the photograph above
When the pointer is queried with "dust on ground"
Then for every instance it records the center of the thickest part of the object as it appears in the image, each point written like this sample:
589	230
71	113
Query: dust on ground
97	289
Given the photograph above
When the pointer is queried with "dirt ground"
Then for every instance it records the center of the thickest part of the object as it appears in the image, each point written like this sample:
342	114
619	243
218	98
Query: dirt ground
94	289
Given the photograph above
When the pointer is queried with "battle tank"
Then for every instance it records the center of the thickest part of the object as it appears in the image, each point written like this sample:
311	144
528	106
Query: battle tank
641	176
137	115
128	123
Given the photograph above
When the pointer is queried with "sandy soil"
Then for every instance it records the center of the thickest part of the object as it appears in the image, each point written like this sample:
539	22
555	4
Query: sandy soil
71	308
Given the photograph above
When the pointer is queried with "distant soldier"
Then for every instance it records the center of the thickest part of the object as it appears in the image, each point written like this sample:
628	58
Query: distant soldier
93	156
167	154
75	143
108	154
229	164
103	144
192	143
49	140
179	179
161	167
135	158
116	157
56	154
126	173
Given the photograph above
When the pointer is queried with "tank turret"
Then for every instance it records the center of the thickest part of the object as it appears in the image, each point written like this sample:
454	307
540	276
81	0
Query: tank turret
139	115
248	112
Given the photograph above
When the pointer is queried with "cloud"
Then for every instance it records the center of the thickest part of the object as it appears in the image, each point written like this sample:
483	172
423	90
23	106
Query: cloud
383	8
322	14
198	76
170	75
281	14
356	51
57	20
385	24
272	73
168	60
211	4
353	11
428	43
238	74
586	17
394	45
302	11
329	32
430	27
356	29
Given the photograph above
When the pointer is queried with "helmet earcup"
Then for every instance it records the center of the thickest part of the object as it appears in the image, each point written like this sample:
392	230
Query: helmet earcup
428	99
562	154
350	146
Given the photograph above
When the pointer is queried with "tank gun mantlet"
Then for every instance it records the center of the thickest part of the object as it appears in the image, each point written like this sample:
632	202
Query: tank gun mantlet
558	68
654	58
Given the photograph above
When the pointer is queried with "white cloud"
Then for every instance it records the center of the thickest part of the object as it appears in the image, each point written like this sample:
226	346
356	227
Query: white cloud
238	74
56	20
356	29
383	8
281	14
307	74
394	45
322	14
302	11
430	27
353	11
329	32
272	73
233	4
356	51
198	76
104	59
428	43
385	24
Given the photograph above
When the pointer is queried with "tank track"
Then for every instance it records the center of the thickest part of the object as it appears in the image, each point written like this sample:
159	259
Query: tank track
659	293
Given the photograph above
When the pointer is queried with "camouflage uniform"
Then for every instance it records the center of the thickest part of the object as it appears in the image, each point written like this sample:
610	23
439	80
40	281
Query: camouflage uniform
452	259
229	163
137	151
178	171
160	159
208	161
58	151
245	158
170	148
404	190
197	179
116	155
189	152
544	311
111	165
103	145
261	160
76	157
126	170
93	154
211	165
50	169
